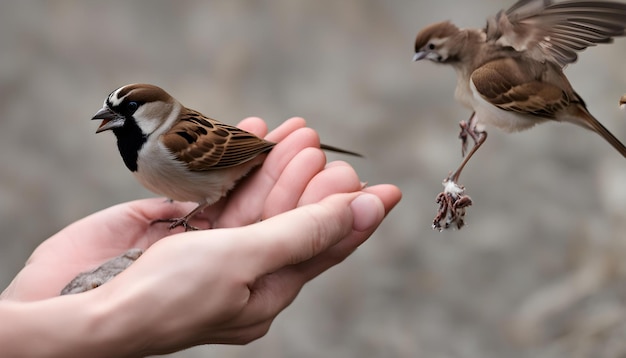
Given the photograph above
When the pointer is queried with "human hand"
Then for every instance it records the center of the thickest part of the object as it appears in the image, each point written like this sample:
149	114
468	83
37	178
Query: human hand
227	285
293	174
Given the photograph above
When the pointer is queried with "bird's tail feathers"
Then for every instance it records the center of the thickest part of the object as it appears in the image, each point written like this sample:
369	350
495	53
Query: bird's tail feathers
585	119
339	150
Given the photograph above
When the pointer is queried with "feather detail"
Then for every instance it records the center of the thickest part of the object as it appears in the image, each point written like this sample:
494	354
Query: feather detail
557	31
504	84
205	144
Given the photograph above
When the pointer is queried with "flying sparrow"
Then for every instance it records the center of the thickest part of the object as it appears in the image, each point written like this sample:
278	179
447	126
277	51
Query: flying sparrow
177	152
510	73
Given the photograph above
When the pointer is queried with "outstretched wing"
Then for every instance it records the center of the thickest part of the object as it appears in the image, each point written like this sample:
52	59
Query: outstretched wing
557	31
206	144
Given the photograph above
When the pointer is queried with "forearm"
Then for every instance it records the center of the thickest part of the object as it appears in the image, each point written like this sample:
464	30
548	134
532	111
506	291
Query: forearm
69	326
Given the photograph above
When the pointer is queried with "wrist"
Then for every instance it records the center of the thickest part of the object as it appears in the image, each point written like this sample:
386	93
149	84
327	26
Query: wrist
66	326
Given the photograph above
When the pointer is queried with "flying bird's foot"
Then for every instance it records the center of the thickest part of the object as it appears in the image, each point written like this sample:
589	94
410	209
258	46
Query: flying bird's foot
479	137
468	129
463	137
453	200
452	205
176	222
89	280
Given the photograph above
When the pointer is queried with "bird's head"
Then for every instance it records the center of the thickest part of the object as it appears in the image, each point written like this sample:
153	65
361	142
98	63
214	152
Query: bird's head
437	42
143	106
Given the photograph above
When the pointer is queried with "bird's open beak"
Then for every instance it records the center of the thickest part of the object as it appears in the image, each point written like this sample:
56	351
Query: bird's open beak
420	55
622	102
110	119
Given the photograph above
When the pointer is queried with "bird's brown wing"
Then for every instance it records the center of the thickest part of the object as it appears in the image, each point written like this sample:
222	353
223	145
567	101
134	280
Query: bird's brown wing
556	31
206	144
507	86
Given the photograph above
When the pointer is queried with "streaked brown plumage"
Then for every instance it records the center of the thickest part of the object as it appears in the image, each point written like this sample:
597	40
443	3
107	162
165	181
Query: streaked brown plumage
204	144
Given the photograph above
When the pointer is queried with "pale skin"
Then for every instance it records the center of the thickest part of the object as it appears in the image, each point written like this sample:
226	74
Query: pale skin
224	285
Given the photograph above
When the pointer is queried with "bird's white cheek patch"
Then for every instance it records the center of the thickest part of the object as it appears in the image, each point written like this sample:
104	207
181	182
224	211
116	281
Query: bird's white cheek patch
147	123
156	117
437	57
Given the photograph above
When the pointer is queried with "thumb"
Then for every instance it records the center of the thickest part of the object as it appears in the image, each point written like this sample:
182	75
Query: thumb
300	234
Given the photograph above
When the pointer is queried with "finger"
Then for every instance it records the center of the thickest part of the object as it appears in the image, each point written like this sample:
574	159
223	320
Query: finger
287	149
302	233
336	163
289	126
337	178
254	125
293	181
389	194
245	204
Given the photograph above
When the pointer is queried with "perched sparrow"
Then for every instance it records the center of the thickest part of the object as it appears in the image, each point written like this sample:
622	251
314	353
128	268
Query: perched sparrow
622	102
510	73
178	152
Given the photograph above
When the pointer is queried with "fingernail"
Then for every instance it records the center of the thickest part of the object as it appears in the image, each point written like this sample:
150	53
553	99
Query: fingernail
368	211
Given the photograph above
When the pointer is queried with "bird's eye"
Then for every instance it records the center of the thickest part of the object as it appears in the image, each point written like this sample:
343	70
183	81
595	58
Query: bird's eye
132	106
431	46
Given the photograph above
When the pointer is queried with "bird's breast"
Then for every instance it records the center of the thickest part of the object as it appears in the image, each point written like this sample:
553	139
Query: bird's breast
463	93
160	172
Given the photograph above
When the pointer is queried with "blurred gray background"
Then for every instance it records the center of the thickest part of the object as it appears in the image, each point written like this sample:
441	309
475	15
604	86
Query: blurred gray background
538	271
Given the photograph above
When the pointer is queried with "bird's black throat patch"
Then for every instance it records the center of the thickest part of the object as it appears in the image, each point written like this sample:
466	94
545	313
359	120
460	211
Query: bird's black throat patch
130	139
